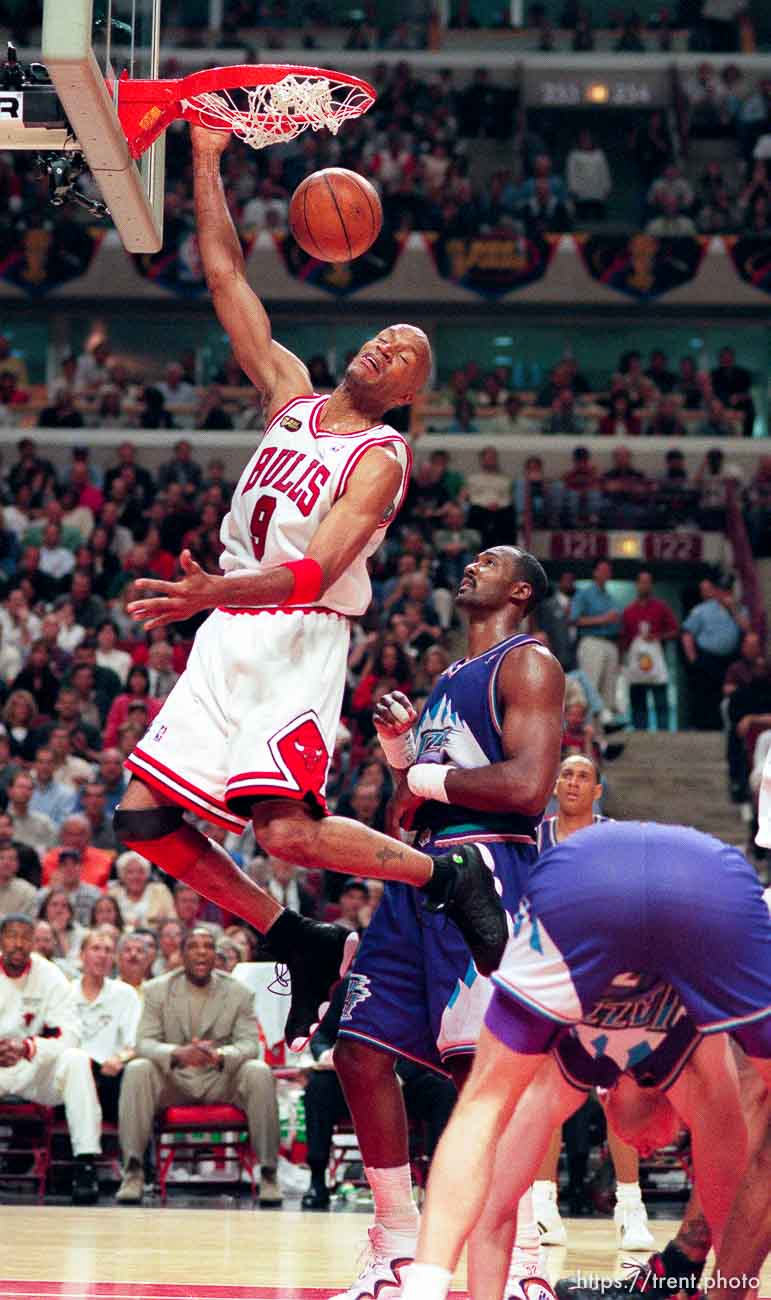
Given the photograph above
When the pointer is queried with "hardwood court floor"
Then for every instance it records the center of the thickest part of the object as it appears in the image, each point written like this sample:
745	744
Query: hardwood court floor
58	1253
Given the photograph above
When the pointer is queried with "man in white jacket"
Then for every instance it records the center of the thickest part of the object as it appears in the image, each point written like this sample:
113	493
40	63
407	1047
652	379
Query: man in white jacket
40	1059
588	178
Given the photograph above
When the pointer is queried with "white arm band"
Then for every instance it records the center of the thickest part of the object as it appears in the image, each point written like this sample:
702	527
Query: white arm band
427	781
399	750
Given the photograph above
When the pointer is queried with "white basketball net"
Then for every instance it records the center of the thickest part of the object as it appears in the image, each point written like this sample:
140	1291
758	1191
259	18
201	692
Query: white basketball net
273	114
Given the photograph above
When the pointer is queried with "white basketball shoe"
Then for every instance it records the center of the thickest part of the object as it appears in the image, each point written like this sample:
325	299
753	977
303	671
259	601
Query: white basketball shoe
547	1215
382	1274
524	1266
632	1229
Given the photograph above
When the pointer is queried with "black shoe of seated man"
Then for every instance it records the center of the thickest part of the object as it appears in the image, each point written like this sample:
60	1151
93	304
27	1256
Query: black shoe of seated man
85	1185
317	1198
463	887
317	956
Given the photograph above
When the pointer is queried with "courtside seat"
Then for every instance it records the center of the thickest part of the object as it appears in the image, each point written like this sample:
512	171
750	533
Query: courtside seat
30	1140
187	1135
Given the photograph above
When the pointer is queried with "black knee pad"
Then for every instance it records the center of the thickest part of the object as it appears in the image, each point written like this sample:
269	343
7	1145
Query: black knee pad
138	825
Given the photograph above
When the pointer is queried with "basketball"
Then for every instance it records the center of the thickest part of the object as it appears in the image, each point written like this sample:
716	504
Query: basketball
335	215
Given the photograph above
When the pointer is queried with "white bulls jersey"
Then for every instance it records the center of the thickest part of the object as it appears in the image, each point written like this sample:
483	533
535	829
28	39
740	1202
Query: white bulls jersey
290	485
38	1005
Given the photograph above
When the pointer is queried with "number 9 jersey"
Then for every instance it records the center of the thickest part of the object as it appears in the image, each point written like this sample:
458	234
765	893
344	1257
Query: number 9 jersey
256	711
290	485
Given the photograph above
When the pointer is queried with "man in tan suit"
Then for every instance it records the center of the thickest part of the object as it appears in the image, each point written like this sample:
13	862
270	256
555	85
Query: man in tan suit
197	1041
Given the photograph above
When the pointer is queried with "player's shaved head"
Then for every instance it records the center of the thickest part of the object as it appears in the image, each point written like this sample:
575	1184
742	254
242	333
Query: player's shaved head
389	369
581	760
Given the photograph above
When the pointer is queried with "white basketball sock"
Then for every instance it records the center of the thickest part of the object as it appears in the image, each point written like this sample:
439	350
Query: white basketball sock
528	1238
395	1209
426	1282
545	1187
628	1194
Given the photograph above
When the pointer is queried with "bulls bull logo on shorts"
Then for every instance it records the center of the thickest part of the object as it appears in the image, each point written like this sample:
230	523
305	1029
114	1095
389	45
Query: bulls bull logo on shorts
304	753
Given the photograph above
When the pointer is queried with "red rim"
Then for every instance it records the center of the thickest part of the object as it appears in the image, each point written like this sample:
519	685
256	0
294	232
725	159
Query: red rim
261	74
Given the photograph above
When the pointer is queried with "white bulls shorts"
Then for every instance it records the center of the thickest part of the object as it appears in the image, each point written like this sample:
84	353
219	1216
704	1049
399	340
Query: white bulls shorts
254	715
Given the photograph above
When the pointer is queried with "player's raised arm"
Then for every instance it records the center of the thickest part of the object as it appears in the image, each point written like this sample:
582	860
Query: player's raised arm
275	371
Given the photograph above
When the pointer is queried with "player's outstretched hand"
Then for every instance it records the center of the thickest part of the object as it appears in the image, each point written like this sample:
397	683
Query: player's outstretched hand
173	602
206	141
393	714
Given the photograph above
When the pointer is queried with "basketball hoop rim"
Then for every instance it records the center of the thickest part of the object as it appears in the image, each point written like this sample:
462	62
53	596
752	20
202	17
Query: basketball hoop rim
147	107
245	75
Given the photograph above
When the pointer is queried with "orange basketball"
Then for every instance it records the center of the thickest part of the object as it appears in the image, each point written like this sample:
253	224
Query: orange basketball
335	215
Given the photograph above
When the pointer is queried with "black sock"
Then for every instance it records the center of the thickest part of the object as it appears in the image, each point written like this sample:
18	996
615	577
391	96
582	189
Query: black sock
678	1265
284	935
439	888
318	1177
85	1160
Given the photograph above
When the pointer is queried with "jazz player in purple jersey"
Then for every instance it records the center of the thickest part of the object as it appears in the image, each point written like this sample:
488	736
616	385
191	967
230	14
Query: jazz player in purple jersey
667	903
477	770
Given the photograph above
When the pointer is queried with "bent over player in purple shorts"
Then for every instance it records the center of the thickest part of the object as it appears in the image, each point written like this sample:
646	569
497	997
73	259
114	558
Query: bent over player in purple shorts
661	901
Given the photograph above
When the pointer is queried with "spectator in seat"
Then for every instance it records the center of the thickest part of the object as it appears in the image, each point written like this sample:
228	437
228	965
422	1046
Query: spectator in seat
49	797
69	877
126	455
107	1013
647	623
106	912
38	680
108	655
583	496
75	834
16	895
555	618
710	637
626	491
689	385
92	803
40	1060
33	828
456	544
133	961
178	395
354	897
598	620
666	422
69	769
671	223
545	498
758	507
62	412
89	609
563	417
182	469
428	1098
192	910
93	368
11	395
29	862
112	778
716	423
742	671
620	421
43	941
284	884
20	626
588	178
671	188
137	692
579	735
56	908
170	936
56	561
732	385
12	363
142	901
160	669
489	491
197	1041
211	413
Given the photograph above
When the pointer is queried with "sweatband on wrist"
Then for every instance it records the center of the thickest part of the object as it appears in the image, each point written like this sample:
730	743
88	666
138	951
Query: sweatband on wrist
428	780
308	581
399	751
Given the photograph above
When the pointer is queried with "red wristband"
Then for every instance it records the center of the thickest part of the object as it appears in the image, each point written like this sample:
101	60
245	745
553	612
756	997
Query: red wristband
308	582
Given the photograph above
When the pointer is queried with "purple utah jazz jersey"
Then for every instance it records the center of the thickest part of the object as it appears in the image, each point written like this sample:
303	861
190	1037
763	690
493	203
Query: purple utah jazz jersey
461	724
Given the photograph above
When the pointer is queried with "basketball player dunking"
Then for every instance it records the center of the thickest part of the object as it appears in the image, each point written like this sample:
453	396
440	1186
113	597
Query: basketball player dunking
492	724
248	730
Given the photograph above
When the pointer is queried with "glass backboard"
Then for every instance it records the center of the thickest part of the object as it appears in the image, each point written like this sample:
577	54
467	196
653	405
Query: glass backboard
86	46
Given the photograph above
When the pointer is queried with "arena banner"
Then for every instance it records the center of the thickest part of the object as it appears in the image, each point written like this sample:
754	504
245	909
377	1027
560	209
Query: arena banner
177	265
341	278
47	254
491	265
641	266
751	255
